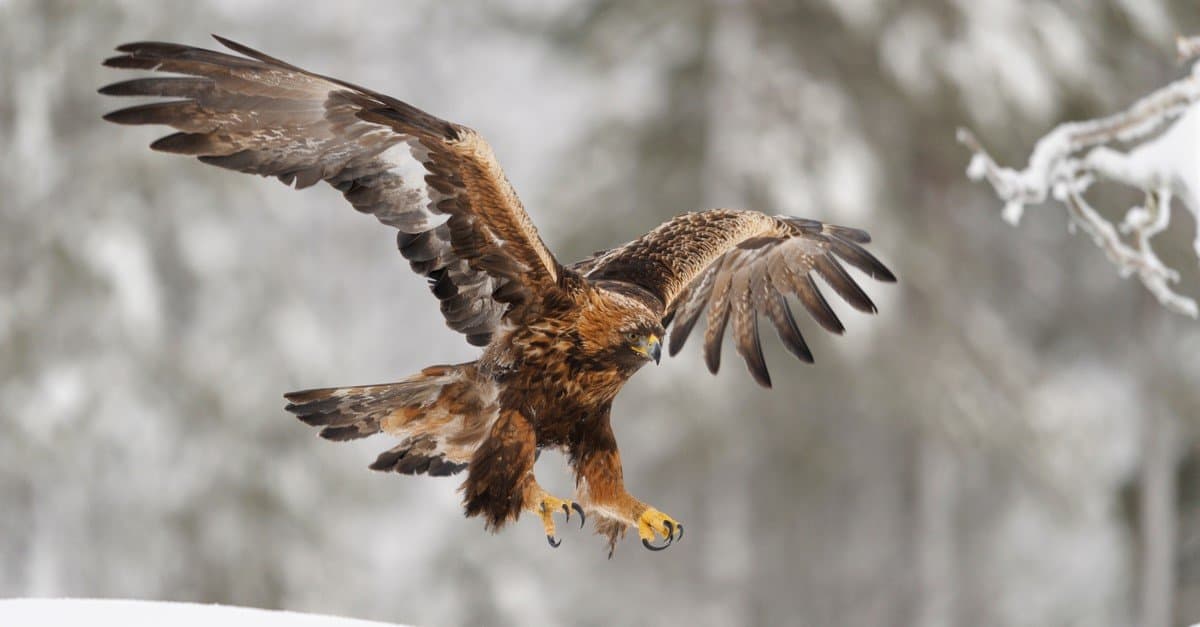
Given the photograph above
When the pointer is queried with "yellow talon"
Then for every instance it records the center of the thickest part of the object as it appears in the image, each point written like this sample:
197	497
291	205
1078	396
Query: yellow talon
653	522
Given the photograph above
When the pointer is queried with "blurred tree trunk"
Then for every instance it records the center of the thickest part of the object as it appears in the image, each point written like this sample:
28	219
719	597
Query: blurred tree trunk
935	533
1158	514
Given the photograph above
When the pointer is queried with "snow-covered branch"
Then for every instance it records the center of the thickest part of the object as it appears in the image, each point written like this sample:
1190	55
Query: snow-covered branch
1165	165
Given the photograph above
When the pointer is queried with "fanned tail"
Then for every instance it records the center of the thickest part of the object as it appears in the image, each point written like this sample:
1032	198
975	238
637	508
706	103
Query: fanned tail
441	415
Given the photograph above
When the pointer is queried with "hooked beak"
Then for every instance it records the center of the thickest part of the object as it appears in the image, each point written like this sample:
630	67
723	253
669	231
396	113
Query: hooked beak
650	347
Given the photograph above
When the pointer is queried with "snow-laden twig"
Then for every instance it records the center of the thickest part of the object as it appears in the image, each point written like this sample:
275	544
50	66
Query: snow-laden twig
1164	166
1187	47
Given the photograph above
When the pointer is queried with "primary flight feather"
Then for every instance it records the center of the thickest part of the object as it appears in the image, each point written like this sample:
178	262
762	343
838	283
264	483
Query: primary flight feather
558	341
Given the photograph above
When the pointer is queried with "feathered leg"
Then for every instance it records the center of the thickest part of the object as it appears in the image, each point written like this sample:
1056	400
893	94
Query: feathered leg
601	489
500	481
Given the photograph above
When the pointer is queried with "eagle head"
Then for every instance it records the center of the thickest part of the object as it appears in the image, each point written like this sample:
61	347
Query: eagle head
621	331
638	343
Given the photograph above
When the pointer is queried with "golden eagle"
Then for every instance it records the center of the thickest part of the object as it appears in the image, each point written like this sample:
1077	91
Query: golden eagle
558	340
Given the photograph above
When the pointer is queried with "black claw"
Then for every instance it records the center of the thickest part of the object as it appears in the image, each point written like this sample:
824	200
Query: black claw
554	542
582	516
567	512
679	527
646	543
668	537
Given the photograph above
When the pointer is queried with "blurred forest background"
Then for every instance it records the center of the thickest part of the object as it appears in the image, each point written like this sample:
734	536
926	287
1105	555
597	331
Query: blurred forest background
1009	442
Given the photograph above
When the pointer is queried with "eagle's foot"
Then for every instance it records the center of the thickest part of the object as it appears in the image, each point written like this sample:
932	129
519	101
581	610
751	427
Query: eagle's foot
653	522
546	506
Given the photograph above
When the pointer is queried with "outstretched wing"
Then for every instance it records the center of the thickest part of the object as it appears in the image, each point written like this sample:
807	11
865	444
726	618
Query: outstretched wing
257	114
737	265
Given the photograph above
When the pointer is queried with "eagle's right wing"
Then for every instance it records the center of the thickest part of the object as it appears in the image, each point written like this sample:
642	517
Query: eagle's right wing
263	116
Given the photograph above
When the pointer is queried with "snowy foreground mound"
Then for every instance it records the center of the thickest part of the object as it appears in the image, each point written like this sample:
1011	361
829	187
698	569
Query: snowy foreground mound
98	613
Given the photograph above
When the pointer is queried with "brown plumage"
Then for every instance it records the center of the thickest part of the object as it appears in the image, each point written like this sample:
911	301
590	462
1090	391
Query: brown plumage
559	341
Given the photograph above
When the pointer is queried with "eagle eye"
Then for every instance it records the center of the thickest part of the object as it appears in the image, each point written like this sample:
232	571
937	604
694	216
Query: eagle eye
632	336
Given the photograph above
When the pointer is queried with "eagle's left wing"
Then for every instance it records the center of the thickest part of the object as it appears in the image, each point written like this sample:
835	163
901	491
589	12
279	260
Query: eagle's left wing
485	261
739	264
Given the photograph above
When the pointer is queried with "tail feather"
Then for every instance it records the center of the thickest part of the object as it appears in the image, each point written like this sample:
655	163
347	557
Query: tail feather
440	414
415	456
346	413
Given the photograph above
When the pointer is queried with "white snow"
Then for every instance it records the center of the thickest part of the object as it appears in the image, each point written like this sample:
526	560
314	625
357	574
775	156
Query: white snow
126	613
